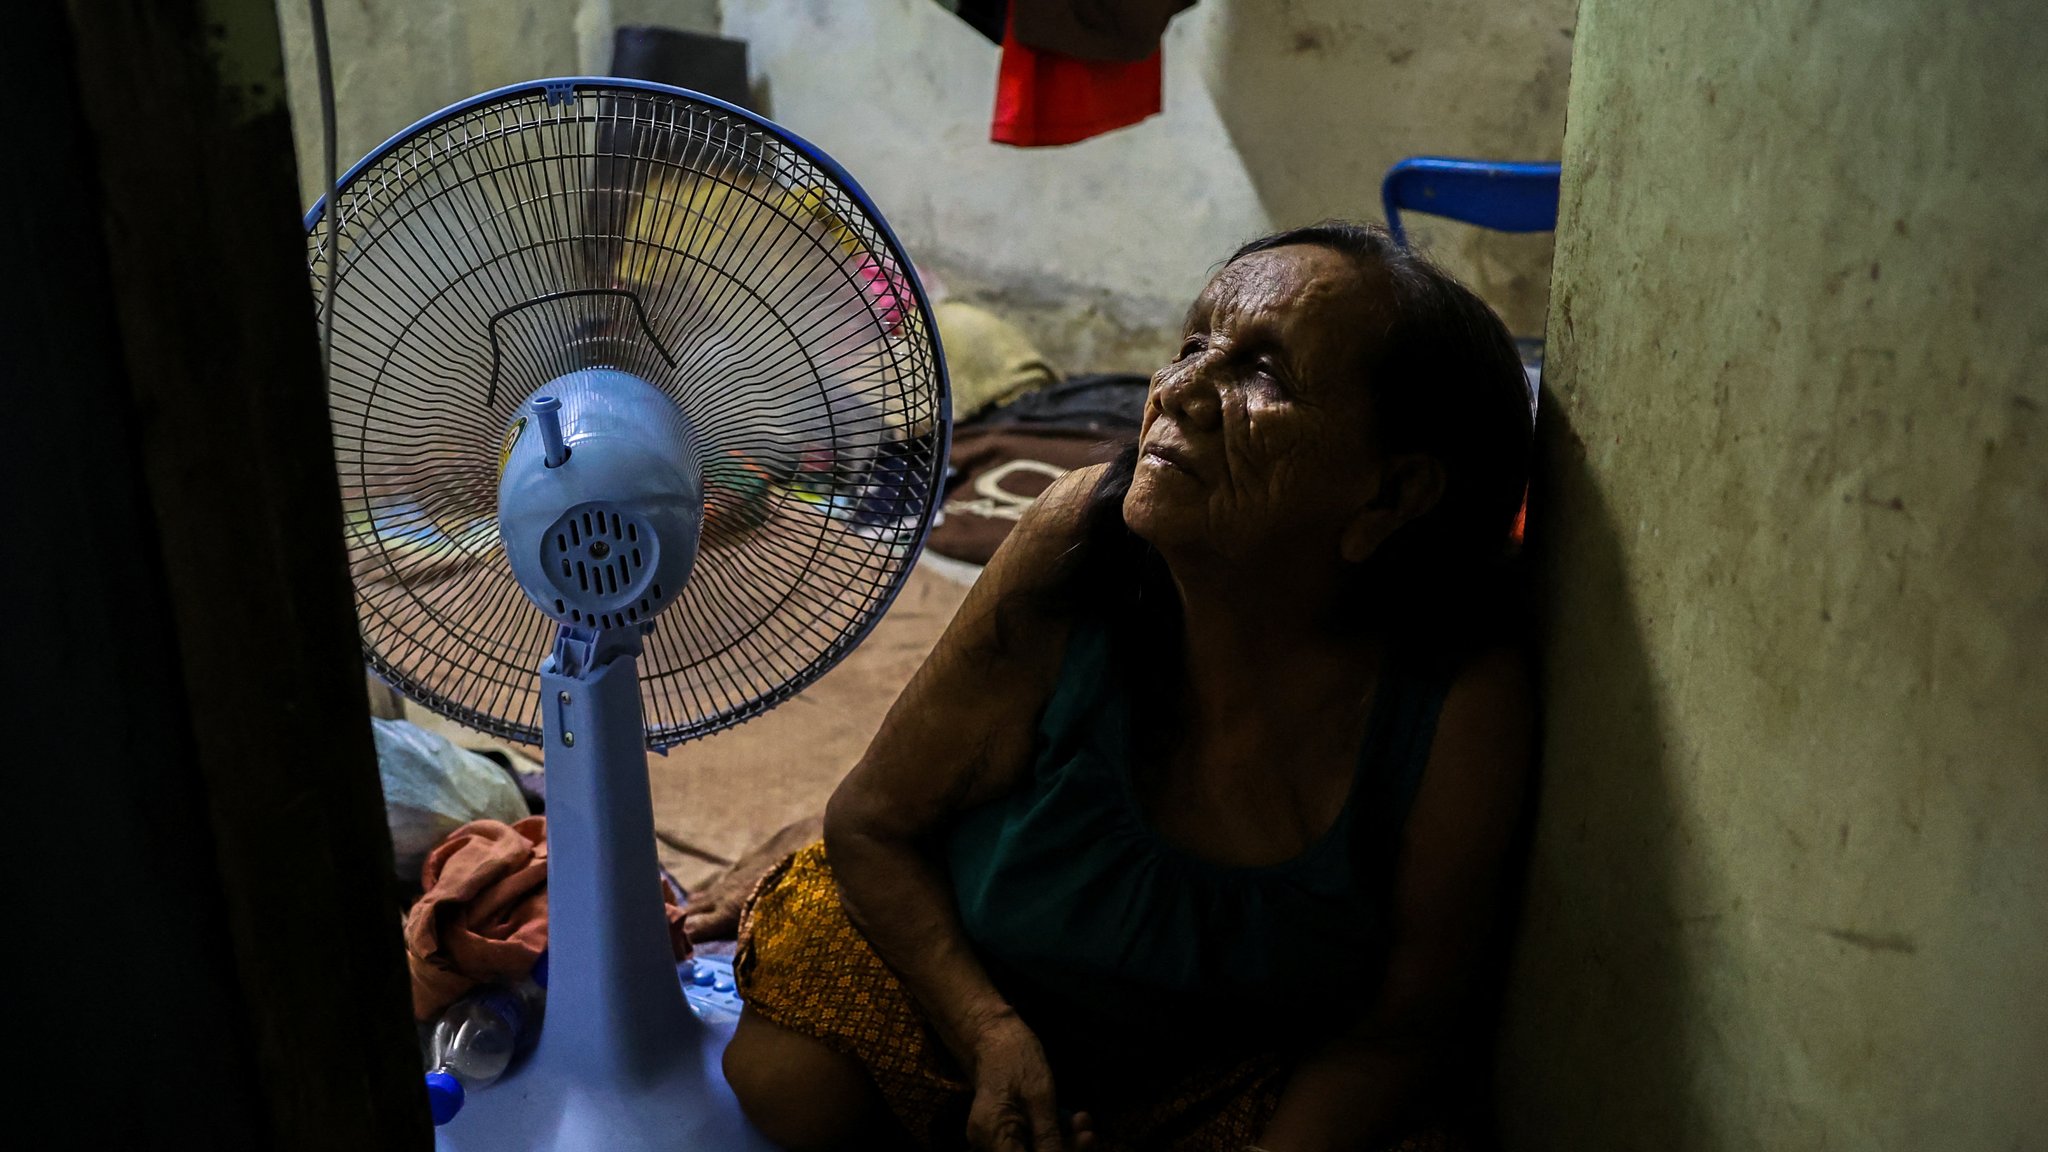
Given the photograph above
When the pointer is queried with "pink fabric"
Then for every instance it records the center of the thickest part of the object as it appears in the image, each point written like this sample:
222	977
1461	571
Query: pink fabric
484	916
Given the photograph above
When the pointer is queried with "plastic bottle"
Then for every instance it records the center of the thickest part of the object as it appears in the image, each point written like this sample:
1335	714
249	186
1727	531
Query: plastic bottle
476	1038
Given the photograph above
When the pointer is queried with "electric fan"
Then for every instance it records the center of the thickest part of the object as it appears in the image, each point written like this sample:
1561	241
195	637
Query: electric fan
640	417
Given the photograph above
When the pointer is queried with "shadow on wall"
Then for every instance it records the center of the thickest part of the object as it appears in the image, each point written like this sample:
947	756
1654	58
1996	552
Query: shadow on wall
1599	995
1321	97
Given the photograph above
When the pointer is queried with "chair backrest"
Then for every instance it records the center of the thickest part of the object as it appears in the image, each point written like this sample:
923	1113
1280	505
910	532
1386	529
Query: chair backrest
1503	196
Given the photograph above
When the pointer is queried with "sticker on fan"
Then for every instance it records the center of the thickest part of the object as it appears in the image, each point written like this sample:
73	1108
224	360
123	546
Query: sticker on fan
511	439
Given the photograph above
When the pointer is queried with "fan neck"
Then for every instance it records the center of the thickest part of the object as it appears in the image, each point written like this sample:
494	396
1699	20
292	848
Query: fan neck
579	651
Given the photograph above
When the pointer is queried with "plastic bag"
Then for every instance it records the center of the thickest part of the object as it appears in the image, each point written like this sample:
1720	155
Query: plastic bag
431	788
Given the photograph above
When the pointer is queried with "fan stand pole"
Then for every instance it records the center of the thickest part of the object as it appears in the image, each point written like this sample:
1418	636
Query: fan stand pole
623	1065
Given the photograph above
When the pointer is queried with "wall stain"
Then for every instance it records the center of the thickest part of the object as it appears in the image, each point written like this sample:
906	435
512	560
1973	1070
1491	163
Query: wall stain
1875	941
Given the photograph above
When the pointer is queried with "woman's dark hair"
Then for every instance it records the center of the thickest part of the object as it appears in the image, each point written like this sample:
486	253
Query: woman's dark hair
1444	379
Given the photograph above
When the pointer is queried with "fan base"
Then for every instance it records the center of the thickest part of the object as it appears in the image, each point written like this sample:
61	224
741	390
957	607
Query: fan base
547	1106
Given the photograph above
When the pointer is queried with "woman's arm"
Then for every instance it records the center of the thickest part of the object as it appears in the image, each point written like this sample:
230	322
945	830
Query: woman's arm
960	735
1356	1092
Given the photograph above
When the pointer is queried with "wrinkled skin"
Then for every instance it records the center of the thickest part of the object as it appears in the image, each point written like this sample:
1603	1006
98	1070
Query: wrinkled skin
1253	434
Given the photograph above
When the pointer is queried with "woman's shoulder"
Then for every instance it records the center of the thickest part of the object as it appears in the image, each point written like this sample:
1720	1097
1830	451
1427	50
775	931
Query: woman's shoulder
1060	514
1035	554
1486	727
1017	612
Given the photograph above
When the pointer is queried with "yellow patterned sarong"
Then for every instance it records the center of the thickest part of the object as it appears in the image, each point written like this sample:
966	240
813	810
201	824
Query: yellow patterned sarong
803	966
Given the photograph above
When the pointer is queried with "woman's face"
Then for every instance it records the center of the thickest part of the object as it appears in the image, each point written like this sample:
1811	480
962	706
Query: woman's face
1256	444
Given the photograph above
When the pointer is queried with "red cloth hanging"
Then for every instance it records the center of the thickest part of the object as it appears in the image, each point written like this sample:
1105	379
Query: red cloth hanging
1044	98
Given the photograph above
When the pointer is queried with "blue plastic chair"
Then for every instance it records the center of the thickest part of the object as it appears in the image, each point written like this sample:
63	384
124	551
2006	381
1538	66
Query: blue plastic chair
1496	194
1503	196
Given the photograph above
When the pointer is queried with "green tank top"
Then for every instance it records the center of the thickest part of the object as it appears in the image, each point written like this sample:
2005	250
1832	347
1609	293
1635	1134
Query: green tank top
1106	937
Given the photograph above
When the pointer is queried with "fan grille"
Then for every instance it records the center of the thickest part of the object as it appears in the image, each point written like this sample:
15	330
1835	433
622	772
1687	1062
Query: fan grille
551	228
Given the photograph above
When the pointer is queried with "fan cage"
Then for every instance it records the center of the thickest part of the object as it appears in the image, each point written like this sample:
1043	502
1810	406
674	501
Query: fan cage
569	224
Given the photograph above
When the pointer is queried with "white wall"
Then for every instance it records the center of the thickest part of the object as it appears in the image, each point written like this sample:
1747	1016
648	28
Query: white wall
1277	112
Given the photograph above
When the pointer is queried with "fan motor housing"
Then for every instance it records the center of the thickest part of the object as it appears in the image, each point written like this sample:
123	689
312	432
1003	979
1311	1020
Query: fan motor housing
606	537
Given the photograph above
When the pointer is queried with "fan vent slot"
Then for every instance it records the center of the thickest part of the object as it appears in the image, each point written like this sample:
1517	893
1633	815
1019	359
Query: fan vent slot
605	567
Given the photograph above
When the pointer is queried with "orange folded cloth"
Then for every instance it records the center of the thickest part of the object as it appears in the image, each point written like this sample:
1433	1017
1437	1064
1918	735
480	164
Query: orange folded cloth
484	917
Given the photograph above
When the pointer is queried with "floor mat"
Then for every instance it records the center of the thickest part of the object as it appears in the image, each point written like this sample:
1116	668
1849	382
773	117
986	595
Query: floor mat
717	797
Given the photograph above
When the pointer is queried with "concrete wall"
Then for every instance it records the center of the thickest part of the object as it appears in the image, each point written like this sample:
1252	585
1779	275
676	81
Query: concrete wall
398	60
1277	112
1790	888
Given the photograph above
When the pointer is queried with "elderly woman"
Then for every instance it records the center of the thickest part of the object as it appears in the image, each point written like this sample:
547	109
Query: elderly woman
1191	833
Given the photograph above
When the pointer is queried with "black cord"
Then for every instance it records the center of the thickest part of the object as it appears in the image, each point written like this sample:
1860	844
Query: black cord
329	217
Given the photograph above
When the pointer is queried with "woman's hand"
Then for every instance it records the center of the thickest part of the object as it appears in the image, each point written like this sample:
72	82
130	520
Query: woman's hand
1015	1109
713	912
